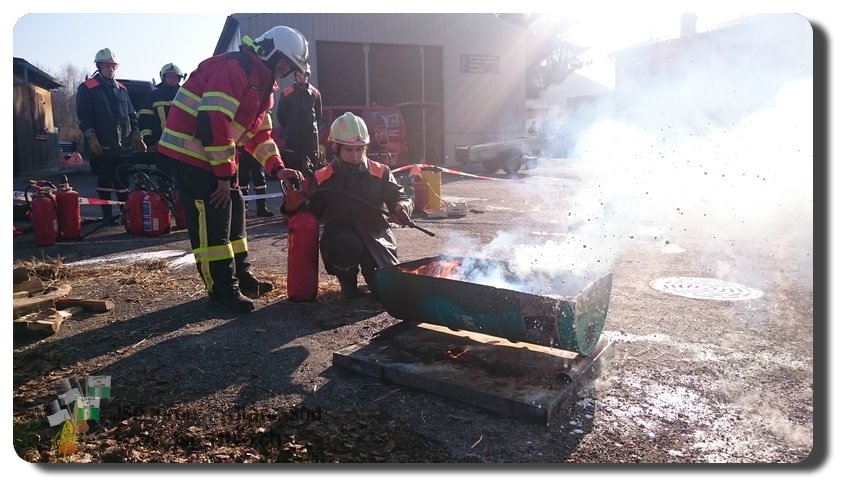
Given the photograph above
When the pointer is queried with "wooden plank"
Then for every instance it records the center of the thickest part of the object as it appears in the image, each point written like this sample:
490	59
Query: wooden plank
32	285
23	306
47	321
19	275
517	379
90	305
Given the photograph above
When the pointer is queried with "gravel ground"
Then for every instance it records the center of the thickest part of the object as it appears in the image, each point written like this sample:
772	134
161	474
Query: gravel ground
722	373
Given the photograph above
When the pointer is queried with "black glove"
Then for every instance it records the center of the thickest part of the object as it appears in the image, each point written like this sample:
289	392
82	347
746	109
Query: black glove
402	215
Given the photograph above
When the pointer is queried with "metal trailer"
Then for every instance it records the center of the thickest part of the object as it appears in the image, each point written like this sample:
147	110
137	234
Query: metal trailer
494	155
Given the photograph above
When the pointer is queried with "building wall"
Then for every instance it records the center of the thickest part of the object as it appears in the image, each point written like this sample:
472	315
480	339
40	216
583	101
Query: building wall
34	135
482	61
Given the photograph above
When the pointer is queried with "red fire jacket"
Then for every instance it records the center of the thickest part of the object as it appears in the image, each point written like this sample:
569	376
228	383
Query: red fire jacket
224	104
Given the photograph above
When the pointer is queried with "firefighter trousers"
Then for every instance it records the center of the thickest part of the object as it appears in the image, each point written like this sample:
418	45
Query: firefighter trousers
344	255
109	181
217	234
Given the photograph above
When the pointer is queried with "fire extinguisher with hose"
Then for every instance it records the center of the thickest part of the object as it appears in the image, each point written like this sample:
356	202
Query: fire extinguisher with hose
147	212
303	244
40	196
69	211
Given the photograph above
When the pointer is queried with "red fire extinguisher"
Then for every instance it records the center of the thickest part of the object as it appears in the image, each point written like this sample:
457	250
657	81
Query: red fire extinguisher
69	212
43	216
146	211
303	250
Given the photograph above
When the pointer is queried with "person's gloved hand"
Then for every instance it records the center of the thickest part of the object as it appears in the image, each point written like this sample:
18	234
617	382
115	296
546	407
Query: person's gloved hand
93	143
221	196
402	215
288	174
137	142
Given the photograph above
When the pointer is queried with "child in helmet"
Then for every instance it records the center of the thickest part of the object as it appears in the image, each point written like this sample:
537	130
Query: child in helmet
349	195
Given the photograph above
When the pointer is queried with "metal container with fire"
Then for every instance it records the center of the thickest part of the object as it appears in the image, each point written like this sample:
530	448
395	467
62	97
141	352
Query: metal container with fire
564	310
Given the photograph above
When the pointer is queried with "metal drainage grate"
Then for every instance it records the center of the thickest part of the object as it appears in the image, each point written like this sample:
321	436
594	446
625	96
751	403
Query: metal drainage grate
705	288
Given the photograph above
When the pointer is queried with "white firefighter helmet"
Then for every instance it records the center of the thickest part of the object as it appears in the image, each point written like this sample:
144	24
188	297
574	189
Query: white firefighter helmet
348	129
284	40
105	55
171	68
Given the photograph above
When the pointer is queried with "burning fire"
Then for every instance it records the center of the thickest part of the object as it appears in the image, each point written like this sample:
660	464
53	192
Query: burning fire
455	353
437	269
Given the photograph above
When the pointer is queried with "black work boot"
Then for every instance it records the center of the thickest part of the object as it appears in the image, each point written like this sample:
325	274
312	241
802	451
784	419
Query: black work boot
262	211
253	287
348	288
368	276
232	302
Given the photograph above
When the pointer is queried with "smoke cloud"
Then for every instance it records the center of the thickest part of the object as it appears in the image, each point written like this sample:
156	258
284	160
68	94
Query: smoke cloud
708	138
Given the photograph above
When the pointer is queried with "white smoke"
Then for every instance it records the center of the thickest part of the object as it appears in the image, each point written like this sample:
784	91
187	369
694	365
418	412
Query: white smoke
717	149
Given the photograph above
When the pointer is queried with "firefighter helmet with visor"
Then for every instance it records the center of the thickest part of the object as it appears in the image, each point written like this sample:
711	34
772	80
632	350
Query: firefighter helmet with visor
283	40
348	129
171	68
105	55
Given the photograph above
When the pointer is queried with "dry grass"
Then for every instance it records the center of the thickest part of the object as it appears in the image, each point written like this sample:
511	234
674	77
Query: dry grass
153	276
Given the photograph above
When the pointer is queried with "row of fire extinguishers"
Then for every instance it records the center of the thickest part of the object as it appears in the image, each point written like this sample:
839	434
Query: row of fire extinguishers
55	212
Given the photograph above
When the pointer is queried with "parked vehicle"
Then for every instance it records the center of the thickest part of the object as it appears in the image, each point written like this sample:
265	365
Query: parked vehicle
386	129
494	155
137	90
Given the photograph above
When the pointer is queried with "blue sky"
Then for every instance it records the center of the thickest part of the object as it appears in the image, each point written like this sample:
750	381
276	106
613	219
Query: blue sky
142	42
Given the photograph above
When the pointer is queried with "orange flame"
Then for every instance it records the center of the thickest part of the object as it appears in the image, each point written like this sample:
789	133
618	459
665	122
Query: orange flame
436	269
455	355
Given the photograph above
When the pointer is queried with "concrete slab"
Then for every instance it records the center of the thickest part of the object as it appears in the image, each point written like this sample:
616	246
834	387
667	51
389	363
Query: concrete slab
517	379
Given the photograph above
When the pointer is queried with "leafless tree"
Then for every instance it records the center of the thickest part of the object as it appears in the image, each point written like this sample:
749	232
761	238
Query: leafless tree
64	103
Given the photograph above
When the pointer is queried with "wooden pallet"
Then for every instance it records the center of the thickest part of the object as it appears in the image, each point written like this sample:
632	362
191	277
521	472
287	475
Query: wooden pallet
517	379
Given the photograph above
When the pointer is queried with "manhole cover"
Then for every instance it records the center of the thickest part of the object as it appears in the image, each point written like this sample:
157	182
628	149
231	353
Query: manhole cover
705	288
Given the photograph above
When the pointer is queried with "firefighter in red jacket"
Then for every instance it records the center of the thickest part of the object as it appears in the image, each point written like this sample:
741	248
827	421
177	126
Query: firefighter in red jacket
109	123
349	193
223	105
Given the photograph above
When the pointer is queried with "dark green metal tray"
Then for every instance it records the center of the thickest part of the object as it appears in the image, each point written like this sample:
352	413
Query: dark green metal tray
568	314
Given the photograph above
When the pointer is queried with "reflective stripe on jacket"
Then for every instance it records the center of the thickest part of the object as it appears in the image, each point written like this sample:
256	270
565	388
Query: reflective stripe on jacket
153	111
222	105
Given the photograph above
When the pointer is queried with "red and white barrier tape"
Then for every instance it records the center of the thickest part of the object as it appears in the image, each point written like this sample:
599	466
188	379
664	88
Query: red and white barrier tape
261	196
20	196
416	169
95	201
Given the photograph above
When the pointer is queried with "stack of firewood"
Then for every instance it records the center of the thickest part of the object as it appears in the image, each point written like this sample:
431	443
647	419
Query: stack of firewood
43	309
